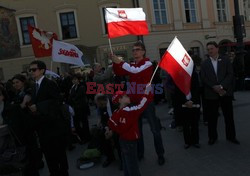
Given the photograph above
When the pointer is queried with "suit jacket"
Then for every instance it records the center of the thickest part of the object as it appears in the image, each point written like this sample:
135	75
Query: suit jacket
78	100
224	77
48	118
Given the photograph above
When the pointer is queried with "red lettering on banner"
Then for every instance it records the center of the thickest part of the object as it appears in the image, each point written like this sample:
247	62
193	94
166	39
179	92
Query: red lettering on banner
71	53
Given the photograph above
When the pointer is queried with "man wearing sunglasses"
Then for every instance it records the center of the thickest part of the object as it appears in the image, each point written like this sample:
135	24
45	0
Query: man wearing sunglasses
140	73
45	108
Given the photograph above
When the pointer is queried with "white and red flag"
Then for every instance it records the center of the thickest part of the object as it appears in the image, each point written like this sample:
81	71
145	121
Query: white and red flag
41	41
125	21
177	62
66	53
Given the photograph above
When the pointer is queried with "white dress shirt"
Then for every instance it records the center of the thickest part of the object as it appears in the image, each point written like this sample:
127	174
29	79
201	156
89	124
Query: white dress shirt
215	64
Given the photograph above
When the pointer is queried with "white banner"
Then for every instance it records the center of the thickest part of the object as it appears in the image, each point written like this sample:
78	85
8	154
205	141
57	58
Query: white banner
66	53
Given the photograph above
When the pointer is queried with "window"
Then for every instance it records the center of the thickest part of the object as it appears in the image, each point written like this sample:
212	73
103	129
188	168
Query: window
105	23
160	12
24	22
190	11
221	10
196	51
246	5
68	25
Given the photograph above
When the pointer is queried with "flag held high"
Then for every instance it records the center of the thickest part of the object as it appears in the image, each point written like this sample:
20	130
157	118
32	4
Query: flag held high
66	53
177	62
41	41
125	21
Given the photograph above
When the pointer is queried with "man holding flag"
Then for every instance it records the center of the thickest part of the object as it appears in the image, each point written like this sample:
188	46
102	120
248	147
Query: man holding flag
125	21
139	74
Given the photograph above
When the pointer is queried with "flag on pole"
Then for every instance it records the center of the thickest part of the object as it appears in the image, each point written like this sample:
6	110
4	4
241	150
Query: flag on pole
41	41
66	53
177	62
125	21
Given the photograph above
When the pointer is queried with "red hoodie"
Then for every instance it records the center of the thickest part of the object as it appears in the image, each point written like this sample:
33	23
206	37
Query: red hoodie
125	121
139	73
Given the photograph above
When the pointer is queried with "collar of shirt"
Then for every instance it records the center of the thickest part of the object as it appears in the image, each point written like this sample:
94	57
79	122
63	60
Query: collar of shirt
214	59
40	81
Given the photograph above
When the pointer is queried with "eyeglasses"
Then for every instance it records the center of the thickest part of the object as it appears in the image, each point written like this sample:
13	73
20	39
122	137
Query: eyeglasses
136	49
33	69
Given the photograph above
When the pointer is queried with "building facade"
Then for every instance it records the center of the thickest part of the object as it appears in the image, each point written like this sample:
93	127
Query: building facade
78	22
82	23
194	22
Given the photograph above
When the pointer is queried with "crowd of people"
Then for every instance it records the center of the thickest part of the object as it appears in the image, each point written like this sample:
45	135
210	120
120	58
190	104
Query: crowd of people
49	115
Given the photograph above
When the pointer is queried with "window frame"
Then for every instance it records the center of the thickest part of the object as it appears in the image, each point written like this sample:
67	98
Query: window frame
24	31
19	28
64	11
226	11
246	18
195	9
166	9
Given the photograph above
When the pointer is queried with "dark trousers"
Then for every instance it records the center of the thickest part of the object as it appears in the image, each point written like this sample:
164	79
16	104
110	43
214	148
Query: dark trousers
155	127
191	125
107	148
55	154
129	158
81	124
212	114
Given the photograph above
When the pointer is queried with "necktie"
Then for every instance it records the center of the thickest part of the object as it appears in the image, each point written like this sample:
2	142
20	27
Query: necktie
37	88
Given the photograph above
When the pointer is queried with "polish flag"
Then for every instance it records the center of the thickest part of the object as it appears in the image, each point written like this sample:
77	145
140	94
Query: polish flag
66	53
125	21
177	62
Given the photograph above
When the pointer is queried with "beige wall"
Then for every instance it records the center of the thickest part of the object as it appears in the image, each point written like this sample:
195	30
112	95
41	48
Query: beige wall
90	27
89	24
190	34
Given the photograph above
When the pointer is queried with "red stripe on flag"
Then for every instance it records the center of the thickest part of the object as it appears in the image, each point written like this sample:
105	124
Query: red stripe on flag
121	28
179	75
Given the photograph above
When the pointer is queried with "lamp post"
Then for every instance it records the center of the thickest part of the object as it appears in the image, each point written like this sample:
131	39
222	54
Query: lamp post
239	34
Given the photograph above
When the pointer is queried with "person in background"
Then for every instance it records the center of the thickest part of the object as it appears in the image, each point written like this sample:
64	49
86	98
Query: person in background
105	110
217	78
189	110
18	118
45	107
78	101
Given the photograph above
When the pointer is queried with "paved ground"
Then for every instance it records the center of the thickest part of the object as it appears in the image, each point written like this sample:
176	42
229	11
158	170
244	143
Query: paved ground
221	159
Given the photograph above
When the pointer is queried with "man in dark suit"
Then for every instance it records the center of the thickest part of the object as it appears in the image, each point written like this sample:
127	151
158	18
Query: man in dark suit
217	79
50	126
78	100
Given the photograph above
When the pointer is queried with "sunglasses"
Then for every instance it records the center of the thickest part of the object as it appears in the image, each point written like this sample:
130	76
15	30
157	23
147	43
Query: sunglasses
136	49
33	69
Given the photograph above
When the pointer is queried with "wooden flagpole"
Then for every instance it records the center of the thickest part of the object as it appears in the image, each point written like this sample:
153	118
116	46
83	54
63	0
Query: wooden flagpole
154	74
110	47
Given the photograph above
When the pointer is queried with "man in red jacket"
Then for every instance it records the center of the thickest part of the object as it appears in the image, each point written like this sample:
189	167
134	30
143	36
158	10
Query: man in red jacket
140	74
